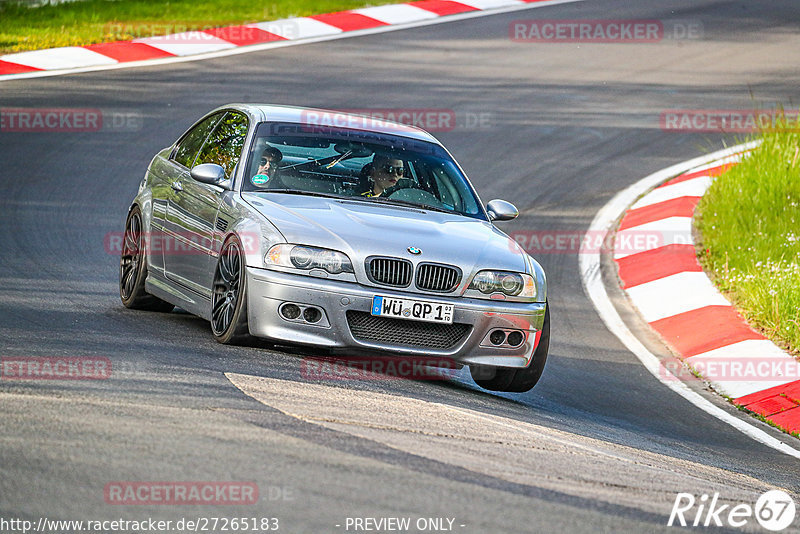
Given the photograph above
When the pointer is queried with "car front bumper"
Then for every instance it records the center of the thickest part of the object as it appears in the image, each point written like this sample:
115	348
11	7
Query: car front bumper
268	290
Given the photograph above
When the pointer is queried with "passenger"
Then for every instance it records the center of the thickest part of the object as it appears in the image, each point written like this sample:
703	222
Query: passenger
382	173
267	167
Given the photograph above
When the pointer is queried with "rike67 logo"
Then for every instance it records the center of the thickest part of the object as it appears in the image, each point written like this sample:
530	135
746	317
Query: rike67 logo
774	511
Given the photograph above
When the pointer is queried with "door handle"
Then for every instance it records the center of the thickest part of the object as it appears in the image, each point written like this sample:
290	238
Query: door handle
176	186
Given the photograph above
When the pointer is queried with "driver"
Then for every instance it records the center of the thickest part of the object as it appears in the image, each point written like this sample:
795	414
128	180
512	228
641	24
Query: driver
383	173
267	166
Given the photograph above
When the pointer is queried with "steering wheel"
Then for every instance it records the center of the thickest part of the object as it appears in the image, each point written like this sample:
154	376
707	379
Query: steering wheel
415	194
399	186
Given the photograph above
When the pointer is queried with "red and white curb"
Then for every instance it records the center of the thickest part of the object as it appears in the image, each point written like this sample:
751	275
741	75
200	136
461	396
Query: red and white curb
223	41
605	223
666	283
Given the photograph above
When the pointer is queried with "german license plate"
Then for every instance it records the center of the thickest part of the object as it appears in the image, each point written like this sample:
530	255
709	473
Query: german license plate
415	310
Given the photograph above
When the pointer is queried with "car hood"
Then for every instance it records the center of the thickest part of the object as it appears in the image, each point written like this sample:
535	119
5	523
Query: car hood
362	228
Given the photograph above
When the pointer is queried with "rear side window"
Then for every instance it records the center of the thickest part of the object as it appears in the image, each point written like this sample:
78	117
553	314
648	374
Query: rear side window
192	141
224	145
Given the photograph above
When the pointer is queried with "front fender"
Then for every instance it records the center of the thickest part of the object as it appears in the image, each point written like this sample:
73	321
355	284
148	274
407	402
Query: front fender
254	231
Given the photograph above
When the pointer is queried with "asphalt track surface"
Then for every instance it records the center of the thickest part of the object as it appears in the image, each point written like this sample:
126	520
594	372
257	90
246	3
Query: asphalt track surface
598	445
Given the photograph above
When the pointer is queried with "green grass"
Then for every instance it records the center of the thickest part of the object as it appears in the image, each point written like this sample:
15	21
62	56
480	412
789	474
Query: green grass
97	21
749	223
766	420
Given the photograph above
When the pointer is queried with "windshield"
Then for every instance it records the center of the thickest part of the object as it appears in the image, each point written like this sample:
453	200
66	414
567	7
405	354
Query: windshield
358	165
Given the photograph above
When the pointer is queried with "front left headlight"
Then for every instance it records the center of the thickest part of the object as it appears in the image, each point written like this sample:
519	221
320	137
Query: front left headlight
508	283
307	258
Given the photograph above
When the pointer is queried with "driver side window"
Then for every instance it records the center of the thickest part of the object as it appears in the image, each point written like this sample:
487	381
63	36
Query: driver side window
224	145
192	141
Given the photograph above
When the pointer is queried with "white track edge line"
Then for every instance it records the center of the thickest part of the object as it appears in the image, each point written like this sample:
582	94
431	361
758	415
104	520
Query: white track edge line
589	265
246	49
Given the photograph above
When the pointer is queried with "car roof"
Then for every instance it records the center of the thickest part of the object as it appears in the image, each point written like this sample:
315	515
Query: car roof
327	117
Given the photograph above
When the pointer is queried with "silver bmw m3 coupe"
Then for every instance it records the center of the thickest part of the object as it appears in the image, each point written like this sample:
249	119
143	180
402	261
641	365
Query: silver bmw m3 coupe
338	231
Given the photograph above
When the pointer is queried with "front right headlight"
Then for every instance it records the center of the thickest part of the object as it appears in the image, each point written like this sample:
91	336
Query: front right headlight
307	258
508	283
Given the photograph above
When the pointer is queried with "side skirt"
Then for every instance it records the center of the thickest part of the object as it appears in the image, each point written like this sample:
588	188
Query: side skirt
180	296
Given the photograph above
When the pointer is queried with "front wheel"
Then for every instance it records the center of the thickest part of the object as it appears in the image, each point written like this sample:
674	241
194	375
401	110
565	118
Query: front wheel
229	296
516	380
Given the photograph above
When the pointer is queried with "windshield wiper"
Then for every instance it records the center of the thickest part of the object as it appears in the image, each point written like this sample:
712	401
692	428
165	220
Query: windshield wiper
358	198
411	204
299	192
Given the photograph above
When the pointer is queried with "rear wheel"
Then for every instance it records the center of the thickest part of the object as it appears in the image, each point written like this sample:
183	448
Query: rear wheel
133	268
229	296
516	380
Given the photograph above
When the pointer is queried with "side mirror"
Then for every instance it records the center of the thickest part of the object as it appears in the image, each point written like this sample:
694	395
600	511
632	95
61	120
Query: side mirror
209	173
500	210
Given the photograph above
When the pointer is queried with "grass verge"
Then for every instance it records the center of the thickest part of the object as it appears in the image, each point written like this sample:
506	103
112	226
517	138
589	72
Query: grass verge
97	21
749	223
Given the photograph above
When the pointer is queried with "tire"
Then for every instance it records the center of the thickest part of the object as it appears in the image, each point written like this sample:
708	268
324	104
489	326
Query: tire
517	380
133	268
526	378
229	296
491	377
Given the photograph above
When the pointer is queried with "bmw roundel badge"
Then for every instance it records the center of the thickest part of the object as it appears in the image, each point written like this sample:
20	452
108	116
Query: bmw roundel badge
414	250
